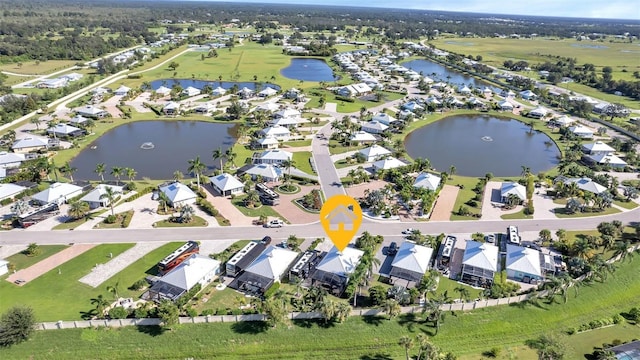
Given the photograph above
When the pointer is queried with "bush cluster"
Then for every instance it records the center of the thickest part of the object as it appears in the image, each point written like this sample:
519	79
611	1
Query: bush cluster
207	207
145	191
595	324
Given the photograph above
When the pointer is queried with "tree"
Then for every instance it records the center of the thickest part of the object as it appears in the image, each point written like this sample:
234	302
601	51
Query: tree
168	312
230	156
16	325
67	169
464	292
36	121
33	250
196	167
101	304
117	172
178	175
114	290
407	343
131	173
218	154
163	200
391	307
545	235
110	195
118	312
78	209
452	171
615	110
100	169
186	214
288	164
173	65
546	347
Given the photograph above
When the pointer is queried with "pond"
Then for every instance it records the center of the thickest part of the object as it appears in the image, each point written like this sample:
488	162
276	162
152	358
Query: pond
155	149
308	70
439	72
199	84
480	144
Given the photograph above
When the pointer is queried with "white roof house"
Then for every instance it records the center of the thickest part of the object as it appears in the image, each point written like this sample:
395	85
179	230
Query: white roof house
65	130
268	172
411	262
512	188
362	137
427	181
464	90
598	147
582	131
205	108
288	112
585	184
122	90
269	106
523	263
9	190
219	91
286	121
539	112
268	142
383	118
226	184
29	143
197	269
375	152
58	193
607	159
268	92
191	91
78	119
528	95
179	194
275	156
272	262
374	127
388	163
171	107
278	132
564	120
72	76
95	199
479	262
10	160
4	267
341	263
505	105
163	90
91	111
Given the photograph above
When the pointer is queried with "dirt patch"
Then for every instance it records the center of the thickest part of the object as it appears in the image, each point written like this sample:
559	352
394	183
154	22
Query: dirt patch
444	205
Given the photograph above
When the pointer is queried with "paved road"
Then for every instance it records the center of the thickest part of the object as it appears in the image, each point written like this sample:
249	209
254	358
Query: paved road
307	231
327	174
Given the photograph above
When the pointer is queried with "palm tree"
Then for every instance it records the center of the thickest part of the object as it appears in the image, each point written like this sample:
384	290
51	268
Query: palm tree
464	292
131	173
116	171
178	175
68	170
621	248
582	248
452	171
252	198
110	195
526	171
186	213
231	156
391	307
218	154
196	167
164	200
100	169
52	125
101	303
426	347
36	121
407	343
114	290
78	209
288	164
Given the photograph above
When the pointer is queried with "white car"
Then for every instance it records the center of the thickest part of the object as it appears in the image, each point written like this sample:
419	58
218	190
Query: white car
274	224
408	231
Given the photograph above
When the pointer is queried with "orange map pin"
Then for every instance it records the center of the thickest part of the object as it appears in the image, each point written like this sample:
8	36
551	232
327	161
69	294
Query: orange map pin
341	217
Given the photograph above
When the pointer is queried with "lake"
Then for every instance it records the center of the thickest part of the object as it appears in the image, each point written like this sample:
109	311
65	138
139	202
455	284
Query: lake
438	73
199	84
308	70
173	143
479	144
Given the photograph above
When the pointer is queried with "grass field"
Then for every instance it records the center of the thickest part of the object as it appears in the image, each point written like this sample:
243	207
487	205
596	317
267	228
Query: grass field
516	216
464	195
22	261
561	213
43	67
465	334
196	222
301	159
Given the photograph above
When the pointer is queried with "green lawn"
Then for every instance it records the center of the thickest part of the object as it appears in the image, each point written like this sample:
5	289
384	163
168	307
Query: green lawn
72	224
337	148
464	195
197	221
301	159
262	210
122	221
562	213
516	216
465	334
31	68
447	285
626	204
61	296
296	143
22	261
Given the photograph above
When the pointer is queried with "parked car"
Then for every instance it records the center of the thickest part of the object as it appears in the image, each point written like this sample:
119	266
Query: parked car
408	231
274	224
393	248
491	238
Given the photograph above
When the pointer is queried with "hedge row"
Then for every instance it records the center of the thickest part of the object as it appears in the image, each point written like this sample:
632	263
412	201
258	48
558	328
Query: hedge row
207	207
145	191
595	324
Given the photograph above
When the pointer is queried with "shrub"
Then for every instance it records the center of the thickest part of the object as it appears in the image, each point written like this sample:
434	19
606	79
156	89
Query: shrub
191	312
492	353
111	219
127	219
208	312
140	313
131	186
118	312
272	290
145	191
236	312
138	285
221	311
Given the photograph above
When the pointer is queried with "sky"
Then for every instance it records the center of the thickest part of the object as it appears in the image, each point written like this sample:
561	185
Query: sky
604	9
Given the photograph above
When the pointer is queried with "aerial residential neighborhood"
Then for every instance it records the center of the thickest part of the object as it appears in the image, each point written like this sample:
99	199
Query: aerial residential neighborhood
163	176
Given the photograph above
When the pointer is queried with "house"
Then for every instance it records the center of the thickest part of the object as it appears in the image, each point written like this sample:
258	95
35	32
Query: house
267	269
91	111
607	160
454	102
464	90
122	91
427	181
340	219
226	184
243	258
474	102
267	172
354	90
292	93
245	93
362	137
628	351
505	105
600	108
597	148
512	188
278	132
163	90
78	120
219	91
191	91
52	83
11	160
58	193
267	92
178	194
528	95
205	108
171	108
374	127
268	142
375	152
95	197
72	77
65	130
538	112
288	122
29	144
479	263
197	269
383	118
9	190
275	157
411	262
523	264
333	271
584	184
412	106
267	107
563	121
387	163
287	113
582	131
4	267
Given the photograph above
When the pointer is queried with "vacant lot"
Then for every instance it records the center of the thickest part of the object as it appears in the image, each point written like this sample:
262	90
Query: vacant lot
41	68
